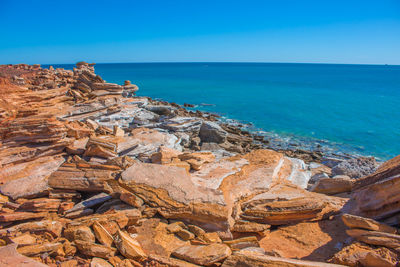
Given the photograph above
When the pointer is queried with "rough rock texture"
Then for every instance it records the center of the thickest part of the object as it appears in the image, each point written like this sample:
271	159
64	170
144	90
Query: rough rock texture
203	255
356	168
317	241
247	259
91	175
332	186
10	257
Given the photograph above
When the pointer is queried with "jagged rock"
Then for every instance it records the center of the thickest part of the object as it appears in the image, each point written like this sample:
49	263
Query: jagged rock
22	240
131	199
40	204
155	239
197	159
241	243
332	186
20	216
246	258
37	249
172	194
356	168
353	221
80	232
171	261
29	179
284	204
375	238
183	124
359	254
185	234
164	155
211	132
379	200
99	262
128	246
249	227
52	227
102	235
10	257
95	250
203	255
81	180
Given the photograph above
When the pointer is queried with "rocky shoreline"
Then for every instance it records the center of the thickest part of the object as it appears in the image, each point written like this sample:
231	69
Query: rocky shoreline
92	175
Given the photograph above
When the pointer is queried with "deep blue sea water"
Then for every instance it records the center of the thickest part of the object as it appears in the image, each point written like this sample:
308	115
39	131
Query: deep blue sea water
344	108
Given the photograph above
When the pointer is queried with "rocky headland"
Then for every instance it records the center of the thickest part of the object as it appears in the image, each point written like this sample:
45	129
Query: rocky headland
92	175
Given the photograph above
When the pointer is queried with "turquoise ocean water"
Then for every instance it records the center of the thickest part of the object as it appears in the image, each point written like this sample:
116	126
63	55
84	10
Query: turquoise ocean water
340	108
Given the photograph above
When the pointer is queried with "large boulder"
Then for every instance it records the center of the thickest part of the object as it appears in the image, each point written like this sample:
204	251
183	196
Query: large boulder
262	186
171	190
211	132
377	195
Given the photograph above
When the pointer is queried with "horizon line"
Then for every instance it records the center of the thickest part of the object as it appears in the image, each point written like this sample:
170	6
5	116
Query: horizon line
215	62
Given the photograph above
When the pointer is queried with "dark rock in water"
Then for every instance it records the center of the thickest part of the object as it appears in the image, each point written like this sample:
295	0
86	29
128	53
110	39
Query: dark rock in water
356	168
186	105
211	132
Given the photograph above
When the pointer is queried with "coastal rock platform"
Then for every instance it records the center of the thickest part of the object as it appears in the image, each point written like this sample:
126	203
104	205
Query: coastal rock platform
92	175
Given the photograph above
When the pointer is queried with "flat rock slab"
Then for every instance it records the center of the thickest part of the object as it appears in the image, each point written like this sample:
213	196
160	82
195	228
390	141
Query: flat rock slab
203	255
353	221
28	179
10	257
171	190
256	259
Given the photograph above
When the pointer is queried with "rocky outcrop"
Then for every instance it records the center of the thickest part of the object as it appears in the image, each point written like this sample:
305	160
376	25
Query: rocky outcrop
91	175
356	168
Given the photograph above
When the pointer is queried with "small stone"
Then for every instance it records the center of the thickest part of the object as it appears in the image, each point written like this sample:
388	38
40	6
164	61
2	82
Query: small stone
185	234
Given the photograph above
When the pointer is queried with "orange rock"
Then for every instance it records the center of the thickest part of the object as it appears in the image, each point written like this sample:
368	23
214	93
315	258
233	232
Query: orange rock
203	255
102	235
358	254
40	204
95	250
79	232
20	216
317	241
10	257
247	258
164	155
353	221
128	246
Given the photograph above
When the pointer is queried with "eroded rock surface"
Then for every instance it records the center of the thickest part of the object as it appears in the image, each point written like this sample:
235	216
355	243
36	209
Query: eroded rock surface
91	175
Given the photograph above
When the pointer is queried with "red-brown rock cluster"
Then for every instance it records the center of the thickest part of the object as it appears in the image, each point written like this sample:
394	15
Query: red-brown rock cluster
91	175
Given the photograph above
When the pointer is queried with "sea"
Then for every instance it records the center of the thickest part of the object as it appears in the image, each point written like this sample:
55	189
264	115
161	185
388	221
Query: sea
338	109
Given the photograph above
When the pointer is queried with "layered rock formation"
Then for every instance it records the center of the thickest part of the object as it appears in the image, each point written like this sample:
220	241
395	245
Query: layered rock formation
92	175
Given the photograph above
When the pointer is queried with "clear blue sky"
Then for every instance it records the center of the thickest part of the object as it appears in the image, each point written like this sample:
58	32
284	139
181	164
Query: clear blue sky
329	31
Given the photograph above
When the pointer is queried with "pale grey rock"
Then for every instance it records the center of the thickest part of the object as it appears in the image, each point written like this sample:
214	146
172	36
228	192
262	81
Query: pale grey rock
356	168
